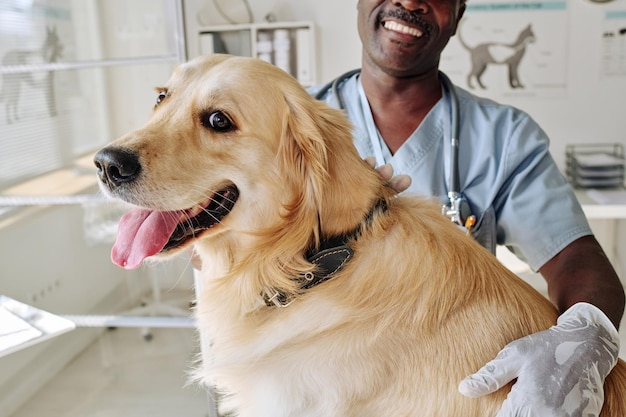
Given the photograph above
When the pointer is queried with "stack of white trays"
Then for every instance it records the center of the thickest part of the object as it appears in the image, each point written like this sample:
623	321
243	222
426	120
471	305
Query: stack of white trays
595	166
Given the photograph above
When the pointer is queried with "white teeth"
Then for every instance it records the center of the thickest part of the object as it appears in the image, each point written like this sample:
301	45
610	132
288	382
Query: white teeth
197	209
397	27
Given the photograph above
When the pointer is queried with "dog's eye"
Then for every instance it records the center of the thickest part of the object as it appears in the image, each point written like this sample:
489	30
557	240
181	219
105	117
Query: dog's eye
161	97
217	121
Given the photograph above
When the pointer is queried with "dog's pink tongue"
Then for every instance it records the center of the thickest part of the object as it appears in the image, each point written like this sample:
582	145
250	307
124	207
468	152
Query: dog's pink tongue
142	233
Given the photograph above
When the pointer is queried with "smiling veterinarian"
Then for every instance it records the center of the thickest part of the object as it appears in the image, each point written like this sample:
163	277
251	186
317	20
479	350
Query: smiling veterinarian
402	117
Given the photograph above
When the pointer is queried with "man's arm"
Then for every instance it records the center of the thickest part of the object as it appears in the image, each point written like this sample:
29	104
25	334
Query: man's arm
582	272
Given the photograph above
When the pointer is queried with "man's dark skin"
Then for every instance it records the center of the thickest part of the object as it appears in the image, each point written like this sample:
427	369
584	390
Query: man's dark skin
400	78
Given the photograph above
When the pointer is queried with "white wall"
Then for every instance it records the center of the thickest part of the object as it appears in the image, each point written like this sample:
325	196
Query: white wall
46	262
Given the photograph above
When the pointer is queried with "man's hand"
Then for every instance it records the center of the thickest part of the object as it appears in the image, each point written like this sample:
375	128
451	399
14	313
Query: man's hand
399	183
560	371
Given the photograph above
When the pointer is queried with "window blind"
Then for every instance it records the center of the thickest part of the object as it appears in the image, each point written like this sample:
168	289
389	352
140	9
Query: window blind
64	68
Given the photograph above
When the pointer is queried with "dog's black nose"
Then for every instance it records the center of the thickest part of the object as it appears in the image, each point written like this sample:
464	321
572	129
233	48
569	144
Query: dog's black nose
117	166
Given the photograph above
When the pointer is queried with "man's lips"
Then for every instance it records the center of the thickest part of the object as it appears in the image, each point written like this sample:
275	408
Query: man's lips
395	26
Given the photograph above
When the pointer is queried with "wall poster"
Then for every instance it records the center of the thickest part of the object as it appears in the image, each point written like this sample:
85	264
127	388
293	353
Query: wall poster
510	48
614	44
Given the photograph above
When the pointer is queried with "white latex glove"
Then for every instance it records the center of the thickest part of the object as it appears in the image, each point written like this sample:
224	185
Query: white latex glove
560	371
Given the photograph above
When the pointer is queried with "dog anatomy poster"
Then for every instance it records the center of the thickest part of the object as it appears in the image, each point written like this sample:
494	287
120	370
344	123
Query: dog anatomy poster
510	48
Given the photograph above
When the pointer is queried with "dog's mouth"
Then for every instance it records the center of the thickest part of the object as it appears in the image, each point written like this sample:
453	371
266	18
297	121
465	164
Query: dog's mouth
143	233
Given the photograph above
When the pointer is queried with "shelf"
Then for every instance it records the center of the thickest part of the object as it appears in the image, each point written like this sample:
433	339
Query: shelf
288	45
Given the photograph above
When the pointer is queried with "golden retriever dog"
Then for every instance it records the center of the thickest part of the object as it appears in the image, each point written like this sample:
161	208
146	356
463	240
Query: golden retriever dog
322	292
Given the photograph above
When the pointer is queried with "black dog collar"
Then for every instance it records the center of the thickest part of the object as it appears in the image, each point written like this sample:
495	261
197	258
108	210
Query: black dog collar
329	259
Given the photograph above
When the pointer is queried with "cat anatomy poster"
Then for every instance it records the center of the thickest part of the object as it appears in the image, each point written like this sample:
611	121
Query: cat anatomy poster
510	48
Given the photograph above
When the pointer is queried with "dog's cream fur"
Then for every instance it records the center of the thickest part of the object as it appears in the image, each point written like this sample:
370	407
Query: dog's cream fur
418	308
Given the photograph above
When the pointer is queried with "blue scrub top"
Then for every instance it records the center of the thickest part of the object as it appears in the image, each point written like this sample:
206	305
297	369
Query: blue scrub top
506	172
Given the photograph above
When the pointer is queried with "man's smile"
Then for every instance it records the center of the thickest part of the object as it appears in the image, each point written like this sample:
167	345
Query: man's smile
400	28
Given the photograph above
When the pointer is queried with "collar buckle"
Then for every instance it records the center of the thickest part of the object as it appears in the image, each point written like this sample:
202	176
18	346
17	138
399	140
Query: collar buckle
275	298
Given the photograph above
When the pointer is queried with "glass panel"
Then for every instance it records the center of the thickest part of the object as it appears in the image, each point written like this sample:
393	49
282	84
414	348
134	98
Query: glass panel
37	142
57	100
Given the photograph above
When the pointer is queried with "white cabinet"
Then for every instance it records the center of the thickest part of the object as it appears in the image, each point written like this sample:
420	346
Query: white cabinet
288	45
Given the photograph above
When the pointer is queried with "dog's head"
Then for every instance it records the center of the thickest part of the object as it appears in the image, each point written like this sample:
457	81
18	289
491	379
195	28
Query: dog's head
234	145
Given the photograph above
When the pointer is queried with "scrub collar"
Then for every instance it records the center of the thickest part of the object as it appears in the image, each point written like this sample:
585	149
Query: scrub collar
434	127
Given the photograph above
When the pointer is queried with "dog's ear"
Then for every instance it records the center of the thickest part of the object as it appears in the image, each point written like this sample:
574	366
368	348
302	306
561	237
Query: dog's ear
302	158
303	152
317	145
326	188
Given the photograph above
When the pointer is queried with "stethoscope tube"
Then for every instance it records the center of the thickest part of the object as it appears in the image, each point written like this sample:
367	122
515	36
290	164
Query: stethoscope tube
333	87
454	133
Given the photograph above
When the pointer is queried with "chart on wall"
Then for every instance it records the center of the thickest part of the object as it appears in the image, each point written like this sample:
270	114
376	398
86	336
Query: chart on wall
614	44
510	48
